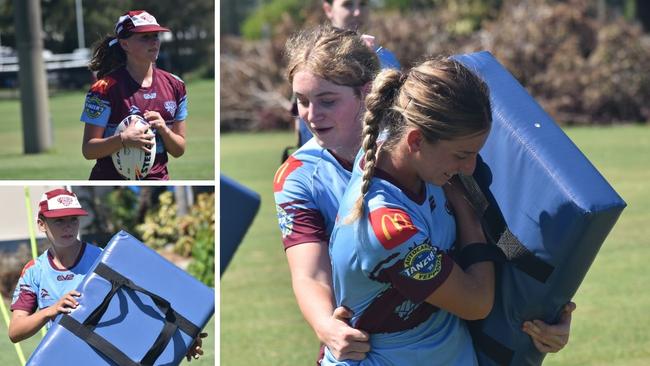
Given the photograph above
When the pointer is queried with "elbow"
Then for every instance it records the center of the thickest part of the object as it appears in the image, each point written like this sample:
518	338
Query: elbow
178	152
85	151
481	311
13	337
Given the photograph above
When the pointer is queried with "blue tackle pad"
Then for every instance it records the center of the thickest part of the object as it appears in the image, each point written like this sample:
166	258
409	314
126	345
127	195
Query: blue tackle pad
238	206
136	308
544	205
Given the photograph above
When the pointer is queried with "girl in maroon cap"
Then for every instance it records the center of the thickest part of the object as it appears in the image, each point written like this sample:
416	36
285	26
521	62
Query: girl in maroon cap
129	83
46	286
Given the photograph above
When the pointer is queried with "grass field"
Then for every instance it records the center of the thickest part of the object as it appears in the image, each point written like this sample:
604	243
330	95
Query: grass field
261	324
8	355
65	161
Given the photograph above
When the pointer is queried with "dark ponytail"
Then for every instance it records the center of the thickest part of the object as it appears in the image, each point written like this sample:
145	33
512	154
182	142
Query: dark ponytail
106	57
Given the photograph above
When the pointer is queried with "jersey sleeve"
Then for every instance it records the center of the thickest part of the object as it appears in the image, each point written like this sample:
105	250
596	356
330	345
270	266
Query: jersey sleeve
97	106
400	252
299	218
25	294
181	99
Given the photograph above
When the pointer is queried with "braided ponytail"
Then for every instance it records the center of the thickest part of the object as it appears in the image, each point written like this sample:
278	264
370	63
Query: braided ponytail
380	112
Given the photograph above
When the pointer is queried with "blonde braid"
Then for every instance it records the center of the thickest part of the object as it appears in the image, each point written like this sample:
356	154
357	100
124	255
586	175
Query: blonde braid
380	112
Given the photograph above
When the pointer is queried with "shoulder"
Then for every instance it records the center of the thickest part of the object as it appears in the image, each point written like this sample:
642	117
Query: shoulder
30	266
104	85
299	168
173	78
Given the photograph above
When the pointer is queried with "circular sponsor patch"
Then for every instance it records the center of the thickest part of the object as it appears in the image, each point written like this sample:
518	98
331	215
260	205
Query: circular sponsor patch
422	263
94	107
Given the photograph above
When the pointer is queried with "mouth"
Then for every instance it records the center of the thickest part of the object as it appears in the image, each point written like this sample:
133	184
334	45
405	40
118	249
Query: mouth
322	130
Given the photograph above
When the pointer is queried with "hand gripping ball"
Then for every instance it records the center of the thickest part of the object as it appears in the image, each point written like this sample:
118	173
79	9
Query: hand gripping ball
131	162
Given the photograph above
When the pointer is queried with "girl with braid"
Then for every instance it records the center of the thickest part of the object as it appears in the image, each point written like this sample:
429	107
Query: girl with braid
330	71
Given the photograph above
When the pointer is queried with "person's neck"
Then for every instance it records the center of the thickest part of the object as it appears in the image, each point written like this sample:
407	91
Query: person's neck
394	162
347	154
142	73
65	257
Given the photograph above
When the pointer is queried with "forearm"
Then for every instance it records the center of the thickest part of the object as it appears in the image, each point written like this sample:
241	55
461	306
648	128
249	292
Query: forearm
316	302
174	143
96	148
25	327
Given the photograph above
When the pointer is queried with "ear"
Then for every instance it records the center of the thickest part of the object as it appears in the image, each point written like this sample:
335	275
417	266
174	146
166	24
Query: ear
327	9
124	44
414	140
41	225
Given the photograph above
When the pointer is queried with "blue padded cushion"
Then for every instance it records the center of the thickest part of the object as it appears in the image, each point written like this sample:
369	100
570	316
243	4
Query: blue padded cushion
550	197
132	321
239	206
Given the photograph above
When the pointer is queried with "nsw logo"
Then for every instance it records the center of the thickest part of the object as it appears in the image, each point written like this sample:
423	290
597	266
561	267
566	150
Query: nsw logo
392	226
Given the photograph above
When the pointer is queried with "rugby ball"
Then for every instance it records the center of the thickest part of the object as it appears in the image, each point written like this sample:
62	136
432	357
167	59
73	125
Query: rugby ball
134	163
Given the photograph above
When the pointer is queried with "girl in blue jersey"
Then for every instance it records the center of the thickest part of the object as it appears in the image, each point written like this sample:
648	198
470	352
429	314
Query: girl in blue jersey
46	286
330	72
130	83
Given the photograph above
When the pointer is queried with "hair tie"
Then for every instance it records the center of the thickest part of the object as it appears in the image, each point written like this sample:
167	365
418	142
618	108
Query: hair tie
112	42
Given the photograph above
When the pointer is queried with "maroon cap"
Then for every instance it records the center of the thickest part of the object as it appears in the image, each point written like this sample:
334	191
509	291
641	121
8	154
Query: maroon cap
137	21
59	203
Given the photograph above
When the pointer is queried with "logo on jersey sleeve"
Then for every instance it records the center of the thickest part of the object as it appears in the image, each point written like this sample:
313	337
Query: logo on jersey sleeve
423	262
285	220
170	106
45	294
283	172
94	106
391	226
26	267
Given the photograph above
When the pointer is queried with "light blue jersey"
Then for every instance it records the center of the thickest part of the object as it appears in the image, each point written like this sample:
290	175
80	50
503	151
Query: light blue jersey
42	284
307	189
384	266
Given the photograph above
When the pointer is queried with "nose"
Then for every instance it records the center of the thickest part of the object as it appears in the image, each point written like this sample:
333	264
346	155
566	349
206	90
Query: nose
313	113
468	165
356	12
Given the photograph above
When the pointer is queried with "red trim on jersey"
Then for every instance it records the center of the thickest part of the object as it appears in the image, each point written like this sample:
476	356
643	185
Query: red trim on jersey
26	267
50	258
102	85
391	226
283	172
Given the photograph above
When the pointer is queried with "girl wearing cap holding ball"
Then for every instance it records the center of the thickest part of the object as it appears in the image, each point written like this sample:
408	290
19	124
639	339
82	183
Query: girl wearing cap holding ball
129	83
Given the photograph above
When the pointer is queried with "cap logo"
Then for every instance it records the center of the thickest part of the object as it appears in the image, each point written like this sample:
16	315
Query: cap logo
65	200
143	19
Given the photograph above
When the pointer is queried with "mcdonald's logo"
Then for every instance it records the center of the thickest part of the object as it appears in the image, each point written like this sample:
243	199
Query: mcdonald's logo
283	172
391	226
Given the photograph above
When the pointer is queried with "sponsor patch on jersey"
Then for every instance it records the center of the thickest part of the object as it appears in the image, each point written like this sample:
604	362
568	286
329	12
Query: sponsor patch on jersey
44	294
423	262
170	106
148	96
285	220
283	172
94	106
68	277
391	226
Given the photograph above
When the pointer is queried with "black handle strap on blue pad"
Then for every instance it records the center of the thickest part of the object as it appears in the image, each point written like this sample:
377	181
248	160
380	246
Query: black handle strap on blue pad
498	233
85	330
479	252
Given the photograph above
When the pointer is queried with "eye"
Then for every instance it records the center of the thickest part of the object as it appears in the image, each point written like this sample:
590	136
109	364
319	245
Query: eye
328	102
302	102
461	156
